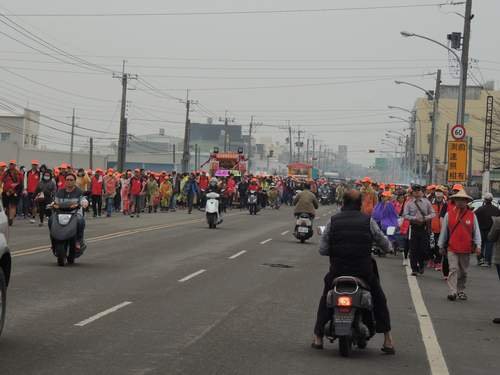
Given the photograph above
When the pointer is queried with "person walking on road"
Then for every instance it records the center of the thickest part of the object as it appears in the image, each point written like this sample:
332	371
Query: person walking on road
494	236
96	189
369	196
137	187
439	206
110	184
484	215
419	212
45	194
460	237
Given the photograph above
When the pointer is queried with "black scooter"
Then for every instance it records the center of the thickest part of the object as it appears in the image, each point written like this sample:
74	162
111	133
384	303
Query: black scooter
63	233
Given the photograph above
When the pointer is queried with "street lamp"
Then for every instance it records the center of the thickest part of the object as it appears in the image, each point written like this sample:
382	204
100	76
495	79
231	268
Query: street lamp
463	78
400	108
429	93
396	132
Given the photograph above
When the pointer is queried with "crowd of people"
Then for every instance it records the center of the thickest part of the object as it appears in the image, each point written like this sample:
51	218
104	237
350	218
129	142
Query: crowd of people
435	228
26	193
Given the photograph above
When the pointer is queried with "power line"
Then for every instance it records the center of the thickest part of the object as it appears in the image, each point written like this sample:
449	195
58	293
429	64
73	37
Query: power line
237	12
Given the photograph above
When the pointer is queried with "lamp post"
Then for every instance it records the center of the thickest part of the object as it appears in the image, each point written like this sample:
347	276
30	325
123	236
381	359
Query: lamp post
434	96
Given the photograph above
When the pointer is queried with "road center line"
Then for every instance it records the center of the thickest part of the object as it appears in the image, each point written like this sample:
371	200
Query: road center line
266	241
285	232
103	313
237	254
435	356
189	277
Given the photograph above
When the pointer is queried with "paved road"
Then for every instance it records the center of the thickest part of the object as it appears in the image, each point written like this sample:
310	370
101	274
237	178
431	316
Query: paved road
163	294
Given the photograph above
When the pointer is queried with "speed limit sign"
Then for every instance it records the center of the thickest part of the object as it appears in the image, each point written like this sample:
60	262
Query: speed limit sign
458	132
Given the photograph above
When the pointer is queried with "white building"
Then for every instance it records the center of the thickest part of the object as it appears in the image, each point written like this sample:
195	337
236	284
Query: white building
22	130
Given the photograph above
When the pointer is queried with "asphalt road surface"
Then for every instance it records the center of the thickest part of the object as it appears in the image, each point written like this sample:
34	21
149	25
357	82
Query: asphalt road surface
163	294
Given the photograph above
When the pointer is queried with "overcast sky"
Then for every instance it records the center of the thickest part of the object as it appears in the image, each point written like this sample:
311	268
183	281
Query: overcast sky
330	73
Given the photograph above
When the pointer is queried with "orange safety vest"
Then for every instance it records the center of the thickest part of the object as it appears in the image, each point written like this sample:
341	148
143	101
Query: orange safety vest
436	220
460	229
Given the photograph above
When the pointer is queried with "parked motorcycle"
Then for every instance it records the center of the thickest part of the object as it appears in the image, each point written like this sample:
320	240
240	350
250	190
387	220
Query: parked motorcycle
212	210
303	227
252	202
352	322
63	232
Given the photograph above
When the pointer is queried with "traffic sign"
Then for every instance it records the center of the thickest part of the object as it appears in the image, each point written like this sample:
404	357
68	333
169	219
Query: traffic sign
457	161
458	132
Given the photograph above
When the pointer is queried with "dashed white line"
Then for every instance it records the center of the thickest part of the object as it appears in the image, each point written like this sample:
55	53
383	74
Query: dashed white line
285	232
189	277
266	241
237	254
103	313
435	356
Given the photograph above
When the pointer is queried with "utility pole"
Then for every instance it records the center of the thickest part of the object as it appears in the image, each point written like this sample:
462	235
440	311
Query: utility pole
307	151
290	141
319	157
299	145
435	111
72	138
464	63
250	145
91	153
122	138
186	154
173	155
313	152
196	156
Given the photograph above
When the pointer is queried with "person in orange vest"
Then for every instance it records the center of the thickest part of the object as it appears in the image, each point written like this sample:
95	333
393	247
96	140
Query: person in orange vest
96	189
369	196
440	206
460	238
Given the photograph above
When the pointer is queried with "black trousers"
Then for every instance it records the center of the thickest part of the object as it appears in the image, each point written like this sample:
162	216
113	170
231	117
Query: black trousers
97	204
419	247
380	309
436	256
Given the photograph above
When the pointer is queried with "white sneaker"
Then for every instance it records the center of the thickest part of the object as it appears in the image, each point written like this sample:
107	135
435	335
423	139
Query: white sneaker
405	262
32	221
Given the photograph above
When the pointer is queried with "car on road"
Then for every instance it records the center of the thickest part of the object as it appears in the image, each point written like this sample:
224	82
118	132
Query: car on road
475	204
5	266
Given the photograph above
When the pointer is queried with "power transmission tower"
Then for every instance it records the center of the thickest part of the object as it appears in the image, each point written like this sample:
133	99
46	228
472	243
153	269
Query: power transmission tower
122	138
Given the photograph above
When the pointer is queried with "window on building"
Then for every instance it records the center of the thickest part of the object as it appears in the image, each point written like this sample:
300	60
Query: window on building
4	137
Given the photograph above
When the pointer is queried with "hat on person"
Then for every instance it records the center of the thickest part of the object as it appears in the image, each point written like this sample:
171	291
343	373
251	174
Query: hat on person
488	197
110	170
431	187
387	194
64	165
12	162
3	164
457	187
440	188
98	170
461	194
416	187
35	162
382	186
366	179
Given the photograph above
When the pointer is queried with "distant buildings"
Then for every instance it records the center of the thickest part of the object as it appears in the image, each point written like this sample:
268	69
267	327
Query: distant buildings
22	130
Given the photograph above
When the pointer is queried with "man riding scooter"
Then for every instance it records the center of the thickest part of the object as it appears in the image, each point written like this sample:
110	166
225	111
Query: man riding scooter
347	240
305	202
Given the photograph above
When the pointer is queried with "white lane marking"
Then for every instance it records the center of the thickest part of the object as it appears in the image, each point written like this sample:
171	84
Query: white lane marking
189	277
285	232
237	254
435	356
266	241
103	313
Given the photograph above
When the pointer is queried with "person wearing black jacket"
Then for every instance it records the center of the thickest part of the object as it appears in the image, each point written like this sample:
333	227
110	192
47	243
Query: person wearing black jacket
45	194
347	240
484	216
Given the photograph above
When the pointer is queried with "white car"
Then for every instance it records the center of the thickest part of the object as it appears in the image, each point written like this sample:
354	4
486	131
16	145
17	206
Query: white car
5	265
475	204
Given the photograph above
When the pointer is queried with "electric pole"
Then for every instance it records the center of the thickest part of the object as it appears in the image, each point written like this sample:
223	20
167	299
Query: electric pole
186	155
290	141
72	138
91	153
173	155
250	145
313	152
299	145
122	138
464	63
435	111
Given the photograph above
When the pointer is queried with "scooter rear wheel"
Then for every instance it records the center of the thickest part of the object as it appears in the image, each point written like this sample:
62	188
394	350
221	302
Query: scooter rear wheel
345	346
61	254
